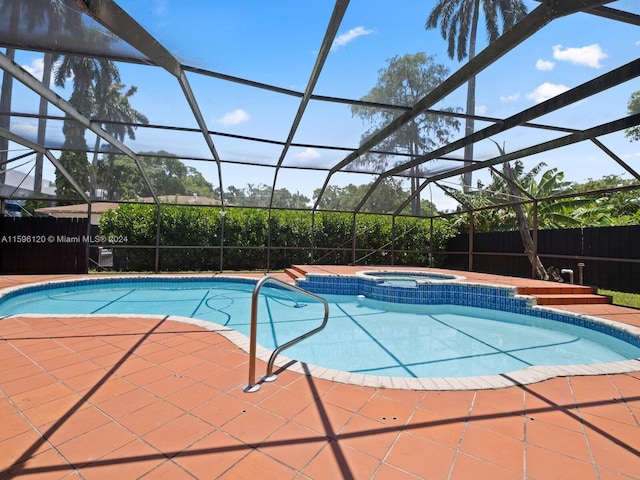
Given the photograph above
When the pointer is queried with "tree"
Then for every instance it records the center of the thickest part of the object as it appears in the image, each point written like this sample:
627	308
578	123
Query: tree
168	175
29	16
633	107
514	185
523	226
259	195
385	199
458	21
405	81
557	213
98	94
119	177
74	157
112	105
610	208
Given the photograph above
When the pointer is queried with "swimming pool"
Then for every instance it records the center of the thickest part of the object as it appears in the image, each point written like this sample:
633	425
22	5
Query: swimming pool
386	334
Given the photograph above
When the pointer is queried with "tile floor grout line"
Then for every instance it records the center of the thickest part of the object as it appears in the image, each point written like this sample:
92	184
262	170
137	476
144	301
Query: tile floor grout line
330	433
20	412
464	429
83	400
524	435
565	409
594	464
598	402
624	400
383	460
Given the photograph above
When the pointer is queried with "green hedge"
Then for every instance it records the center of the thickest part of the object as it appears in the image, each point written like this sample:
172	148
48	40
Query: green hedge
246	232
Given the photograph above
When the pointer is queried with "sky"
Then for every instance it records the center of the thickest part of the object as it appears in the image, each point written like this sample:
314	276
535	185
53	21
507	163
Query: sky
277	42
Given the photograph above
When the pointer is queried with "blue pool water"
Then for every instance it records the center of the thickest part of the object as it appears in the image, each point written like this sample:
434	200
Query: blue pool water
363	335
408	277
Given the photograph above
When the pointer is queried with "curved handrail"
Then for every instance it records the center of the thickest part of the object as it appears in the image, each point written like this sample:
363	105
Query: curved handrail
252	385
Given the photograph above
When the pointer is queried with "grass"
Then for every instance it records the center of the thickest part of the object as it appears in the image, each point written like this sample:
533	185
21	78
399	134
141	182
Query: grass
622	298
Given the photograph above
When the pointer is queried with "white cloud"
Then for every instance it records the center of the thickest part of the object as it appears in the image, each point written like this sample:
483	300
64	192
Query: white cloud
638	43
342	40
160	7
545	65
481	109
308	154
234	118
35	67
510	98
546	91
589	56
27	130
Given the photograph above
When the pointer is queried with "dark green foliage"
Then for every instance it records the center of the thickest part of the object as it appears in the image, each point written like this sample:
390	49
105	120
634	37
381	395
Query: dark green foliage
75	163
197	231
633	107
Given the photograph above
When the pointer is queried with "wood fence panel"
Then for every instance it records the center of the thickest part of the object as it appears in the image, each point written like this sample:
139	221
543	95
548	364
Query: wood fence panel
611	255
39	245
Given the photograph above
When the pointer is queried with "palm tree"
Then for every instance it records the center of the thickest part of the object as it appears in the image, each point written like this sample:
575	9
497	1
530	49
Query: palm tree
29	15
84	70
112	105
458	21
98	93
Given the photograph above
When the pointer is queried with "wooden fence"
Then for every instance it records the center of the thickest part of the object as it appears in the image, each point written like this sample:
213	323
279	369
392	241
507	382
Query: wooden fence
611	255
39	245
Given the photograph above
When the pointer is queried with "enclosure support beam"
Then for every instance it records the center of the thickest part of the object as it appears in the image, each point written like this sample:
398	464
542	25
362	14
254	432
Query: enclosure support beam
313	237
12	137
529	25
157	250
339	10
535	238
88	244
354	235
114	18
31	82
431	251
470	267
580	136
592	87
223	214
393	240
615	157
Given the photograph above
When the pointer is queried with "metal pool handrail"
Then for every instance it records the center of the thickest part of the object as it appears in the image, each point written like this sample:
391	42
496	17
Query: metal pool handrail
269	377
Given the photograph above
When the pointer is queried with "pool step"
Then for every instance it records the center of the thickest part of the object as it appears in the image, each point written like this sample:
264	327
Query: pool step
295	272
564	295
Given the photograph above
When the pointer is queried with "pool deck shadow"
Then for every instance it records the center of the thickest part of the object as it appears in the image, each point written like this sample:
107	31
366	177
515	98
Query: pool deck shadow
156	398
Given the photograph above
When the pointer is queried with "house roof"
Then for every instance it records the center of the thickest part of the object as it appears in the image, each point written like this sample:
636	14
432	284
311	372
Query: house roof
101	207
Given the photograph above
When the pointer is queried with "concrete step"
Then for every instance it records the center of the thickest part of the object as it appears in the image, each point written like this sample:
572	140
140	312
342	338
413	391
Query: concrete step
560	289
564	294
571	299
294	272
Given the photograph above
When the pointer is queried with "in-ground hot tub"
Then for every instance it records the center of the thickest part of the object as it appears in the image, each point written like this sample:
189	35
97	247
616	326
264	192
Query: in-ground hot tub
408	277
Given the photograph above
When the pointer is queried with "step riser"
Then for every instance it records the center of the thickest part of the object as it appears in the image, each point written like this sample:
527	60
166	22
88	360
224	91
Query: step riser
555	291
571	301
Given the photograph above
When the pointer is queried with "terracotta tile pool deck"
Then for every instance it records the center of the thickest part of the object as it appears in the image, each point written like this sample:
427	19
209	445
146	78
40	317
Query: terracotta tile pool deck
131	398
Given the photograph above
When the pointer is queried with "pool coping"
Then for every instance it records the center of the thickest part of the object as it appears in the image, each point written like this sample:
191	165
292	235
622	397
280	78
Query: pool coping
524	376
